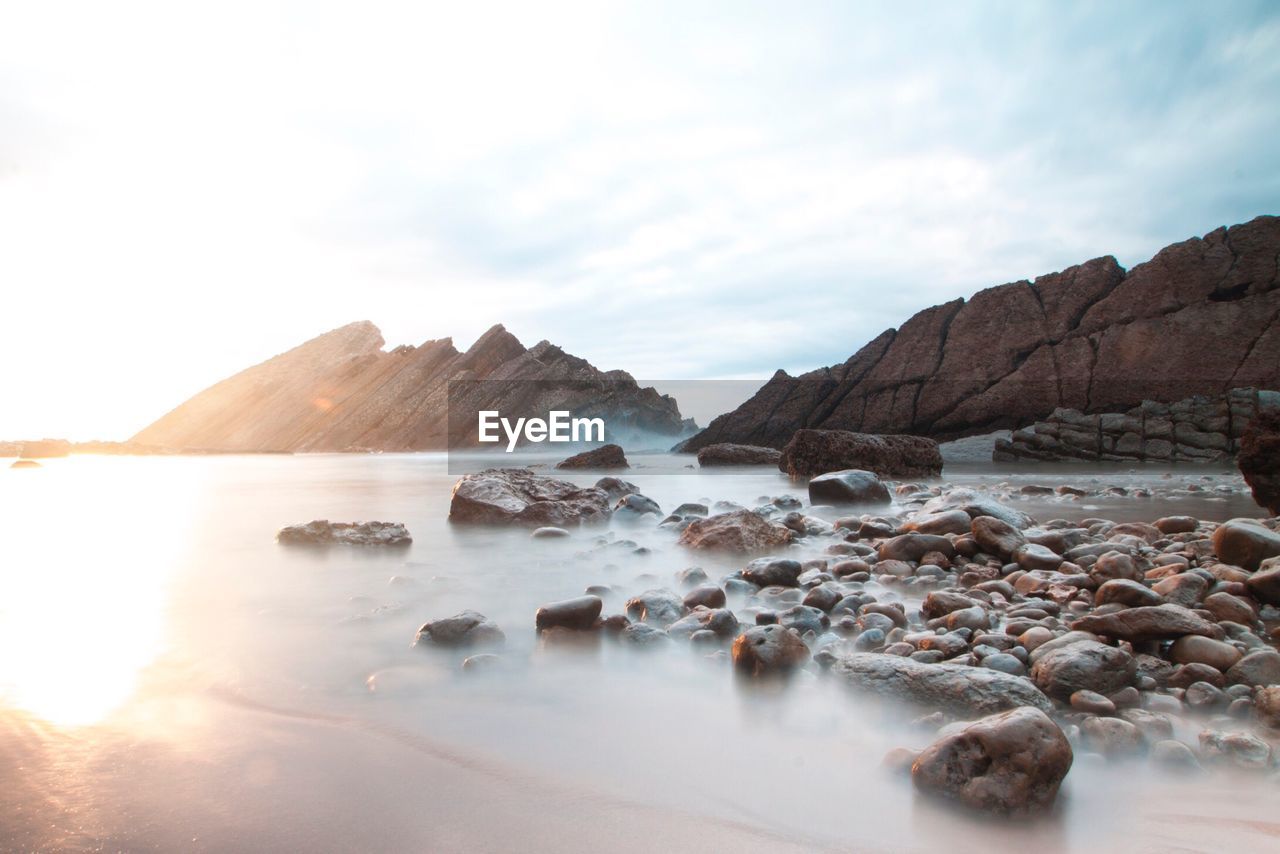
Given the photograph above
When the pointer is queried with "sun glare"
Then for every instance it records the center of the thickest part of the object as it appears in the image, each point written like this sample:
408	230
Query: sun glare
88	557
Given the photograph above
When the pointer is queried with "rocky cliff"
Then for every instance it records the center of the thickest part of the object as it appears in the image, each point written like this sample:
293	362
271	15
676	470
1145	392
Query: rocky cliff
341	391
1197	319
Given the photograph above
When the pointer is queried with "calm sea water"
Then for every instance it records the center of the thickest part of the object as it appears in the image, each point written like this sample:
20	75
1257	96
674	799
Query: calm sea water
171	678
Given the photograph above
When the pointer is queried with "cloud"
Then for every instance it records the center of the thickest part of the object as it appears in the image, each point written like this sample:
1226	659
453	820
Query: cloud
679	191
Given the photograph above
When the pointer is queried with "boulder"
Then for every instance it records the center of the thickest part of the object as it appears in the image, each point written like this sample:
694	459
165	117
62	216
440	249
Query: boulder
1083	666
913	547
1010	763
1124	591
769	651
997	537
616	487
580	613
1259	668
604	457
740	531
952	688
1158	622
465	629
850	486
520	497
729	454
1264	585
1193	649
658	607
773	572
815	452
1245	543
324	533
1259	459
720	621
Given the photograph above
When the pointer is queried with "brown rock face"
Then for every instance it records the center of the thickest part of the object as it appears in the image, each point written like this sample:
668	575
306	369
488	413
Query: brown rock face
520	497
1259	459
729	454
1091	338
1008	764
815	452
741	531
604	457
341	391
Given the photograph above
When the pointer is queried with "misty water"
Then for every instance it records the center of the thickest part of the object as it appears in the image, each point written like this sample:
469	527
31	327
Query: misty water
170	677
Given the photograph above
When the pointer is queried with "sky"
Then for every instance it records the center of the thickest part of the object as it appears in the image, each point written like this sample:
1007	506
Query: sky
682	190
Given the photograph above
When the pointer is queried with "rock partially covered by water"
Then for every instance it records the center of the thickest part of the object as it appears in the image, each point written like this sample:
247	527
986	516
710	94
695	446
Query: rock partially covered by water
323	533
769	651
1259	459
603	457
950	687
814	452
1010	763
579	614
741	531
850	486
517	496
729	454
465	629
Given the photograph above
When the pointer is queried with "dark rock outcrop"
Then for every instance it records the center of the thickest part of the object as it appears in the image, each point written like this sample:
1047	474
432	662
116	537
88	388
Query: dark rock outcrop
814	452
604	457
729	454
520	497
342	392
1259	459
1093	338
323	533
1198	429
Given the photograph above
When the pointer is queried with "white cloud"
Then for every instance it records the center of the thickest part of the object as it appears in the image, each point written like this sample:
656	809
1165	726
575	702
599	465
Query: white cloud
680	191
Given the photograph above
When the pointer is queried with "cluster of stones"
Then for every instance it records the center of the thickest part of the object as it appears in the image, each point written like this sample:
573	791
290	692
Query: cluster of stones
1055	636
1198	429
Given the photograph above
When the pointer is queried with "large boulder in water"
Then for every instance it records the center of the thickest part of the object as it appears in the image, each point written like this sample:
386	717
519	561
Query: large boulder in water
603	457
322	532
520	497
814	452
954	688
1010	763
1259	459
730	454
851	486
742	531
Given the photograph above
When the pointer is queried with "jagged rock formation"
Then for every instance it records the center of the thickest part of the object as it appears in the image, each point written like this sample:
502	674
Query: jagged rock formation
1198	318
341	391
1198	429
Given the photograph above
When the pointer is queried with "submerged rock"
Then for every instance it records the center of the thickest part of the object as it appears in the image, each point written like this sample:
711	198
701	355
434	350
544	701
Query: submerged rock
580	613
950	687
323	532
1010	763
740	531
604	457
769	651
729	454
516	496
465	629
